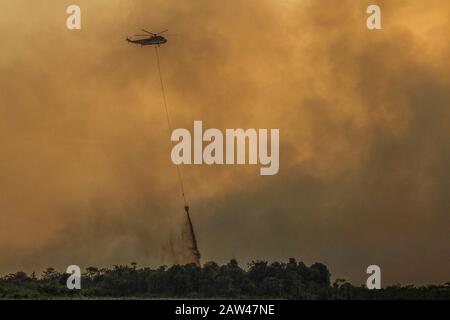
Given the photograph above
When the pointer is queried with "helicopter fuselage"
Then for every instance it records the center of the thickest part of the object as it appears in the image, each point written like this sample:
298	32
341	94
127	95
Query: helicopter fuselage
155	40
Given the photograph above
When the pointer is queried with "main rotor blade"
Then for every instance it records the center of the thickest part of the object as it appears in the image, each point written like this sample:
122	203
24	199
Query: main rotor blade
140	35
163	31
149	32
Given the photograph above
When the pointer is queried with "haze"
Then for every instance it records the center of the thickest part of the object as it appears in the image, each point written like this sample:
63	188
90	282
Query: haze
85	171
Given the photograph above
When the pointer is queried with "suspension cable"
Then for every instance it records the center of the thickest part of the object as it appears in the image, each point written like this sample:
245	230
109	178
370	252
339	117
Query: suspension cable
169	126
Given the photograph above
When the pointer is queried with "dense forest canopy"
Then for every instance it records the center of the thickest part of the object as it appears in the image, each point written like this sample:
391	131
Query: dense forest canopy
291	280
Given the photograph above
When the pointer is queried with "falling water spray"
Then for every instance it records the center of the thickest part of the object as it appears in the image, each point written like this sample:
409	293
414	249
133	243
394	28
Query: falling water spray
193	245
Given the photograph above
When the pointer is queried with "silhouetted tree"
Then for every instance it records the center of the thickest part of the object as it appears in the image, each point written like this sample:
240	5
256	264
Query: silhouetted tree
291	280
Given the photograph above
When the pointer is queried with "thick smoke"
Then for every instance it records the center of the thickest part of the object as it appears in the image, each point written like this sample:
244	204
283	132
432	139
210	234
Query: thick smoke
86	176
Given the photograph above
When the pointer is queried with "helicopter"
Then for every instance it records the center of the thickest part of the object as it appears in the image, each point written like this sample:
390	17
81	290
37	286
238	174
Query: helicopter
152	39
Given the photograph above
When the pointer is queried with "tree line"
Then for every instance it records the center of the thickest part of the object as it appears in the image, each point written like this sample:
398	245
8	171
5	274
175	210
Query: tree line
290	280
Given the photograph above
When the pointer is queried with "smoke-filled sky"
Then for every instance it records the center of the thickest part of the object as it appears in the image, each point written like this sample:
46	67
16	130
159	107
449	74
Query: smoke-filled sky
85	170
